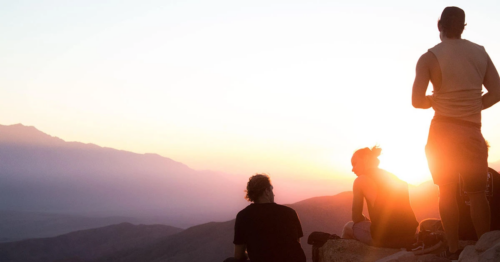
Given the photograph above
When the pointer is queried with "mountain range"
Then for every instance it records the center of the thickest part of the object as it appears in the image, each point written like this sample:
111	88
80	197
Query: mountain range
206	242
86	245
41	173
18	225
50	187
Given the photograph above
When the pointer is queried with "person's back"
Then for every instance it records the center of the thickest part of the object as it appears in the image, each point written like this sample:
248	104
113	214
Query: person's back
393	220
463	68
267	231
456	149
270	232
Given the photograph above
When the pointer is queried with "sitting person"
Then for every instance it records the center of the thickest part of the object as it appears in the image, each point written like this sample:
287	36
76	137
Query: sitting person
267	231
392	222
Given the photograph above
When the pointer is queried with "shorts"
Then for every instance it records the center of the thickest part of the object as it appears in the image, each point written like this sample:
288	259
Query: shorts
457	151
362	232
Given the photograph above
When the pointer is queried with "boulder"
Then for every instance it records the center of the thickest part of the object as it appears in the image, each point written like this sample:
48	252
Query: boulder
401	256
490	255
431	258
463	243
469	254
488	240
350	250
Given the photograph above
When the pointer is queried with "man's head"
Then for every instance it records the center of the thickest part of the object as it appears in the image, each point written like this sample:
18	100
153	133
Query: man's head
452	22
365	159
259	189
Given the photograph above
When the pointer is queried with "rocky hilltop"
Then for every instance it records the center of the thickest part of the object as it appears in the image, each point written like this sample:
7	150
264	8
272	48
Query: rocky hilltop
487	249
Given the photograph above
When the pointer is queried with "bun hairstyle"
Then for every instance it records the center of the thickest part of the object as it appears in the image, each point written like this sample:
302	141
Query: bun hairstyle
452	22
371	154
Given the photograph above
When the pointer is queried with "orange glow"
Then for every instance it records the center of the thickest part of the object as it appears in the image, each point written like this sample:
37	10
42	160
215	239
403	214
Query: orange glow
409	166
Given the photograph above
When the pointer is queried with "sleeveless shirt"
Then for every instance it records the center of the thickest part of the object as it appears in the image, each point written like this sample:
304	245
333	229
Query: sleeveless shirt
463	67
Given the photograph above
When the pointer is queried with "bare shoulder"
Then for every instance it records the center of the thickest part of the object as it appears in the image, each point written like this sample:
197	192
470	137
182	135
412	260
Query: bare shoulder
427	60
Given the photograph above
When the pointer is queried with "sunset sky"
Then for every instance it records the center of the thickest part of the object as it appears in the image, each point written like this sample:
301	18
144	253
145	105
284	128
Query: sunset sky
290	88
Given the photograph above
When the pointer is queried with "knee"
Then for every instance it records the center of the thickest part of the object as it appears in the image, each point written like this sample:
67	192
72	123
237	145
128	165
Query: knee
347	231
349	225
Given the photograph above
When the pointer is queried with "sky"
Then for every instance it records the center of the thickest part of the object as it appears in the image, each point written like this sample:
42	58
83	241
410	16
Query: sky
290	88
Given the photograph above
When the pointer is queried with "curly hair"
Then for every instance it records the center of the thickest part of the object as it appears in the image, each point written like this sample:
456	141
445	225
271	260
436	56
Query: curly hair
256	186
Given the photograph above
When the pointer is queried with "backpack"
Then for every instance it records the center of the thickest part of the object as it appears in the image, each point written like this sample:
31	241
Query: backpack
430	236
317	240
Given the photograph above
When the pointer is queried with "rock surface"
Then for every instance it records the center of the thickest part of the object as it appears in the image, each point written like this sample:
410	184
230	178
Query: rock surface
431	258
491	255
401	256
488	240
349	250
469	254
487	249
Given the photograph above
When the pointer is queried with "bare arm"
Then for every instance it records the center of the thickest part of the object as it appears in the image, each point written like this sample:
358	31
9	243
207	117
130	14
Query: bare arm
492	83
357	201
239	252
422	78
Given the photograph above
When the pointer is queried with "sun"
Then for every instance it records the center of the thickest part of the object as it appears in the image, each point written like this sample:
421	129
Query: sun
408	165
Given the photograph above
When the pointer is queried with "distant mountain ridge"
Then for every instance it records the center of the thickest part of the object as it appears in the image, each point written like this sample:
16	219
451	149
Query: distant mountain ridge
86	245
41	173
20	134
495	165
206	242
212	242
18	225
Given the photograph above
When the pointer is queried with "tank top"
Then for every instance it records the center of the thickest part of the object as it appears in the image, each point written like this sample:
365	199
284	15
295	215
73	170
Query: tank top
463	67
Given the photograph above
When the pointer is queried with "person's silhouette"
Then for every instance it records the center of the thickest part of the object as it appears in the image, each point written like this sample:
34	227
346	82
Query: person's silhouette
267	231
458	69
392	222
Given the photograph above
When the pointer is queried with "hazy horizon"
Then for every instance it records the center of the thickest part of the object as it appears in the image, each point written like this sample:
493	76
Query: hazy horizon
36	160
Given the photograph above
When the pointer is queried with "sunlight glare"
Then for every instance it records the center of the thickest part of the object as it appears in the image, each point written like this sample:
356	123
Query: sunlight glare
408	165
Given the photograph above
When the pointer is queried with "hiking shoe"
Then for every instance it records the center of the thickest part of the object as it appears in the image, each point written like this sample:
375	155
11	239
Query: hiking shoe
419	245
421	248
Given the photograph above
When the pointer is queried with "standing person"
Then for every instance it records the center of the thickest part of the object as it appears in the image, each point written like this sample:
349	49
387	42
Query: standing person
267	231
392	222
455	147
